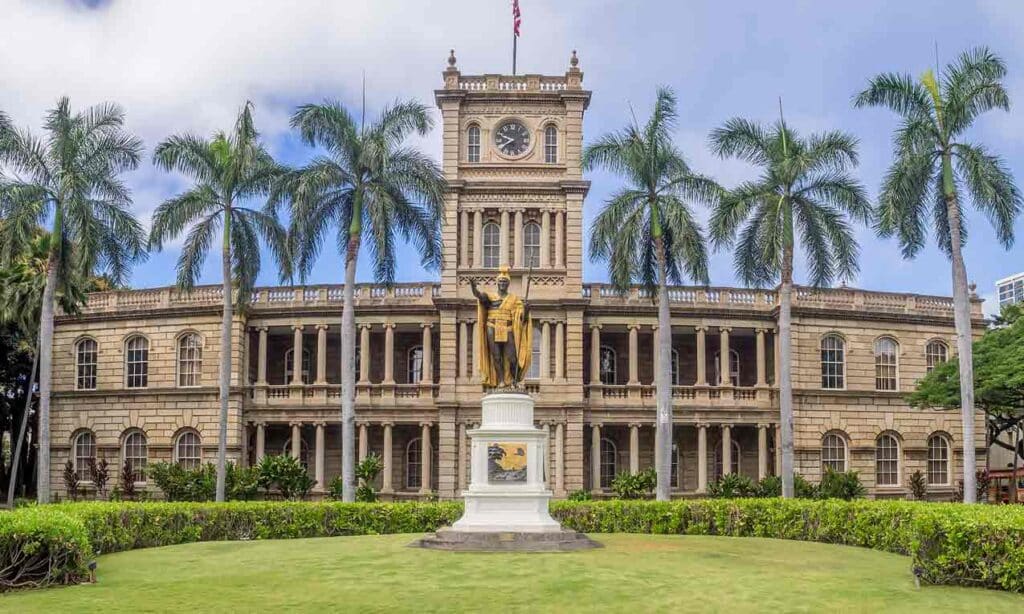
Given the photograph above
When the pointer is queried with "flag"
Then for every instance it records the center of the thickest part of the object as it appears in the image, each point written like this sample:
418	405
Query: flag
516	17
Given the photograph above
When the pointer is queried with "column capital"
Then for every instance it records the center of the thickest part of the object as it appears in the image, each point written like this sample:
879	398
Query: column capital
387	423
258	422
366	325
320	424
633	326
426	423
261	328
764	425
701	328
760	330
295	423
426	324
727	425
635	425
595	326
362	424
322	326
389	325
702	425
725	329
298	326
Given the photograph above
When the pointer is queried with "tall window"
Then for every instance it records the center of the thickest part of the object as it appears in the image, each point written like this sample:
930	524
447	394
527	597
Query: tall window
492	245
136	362
608	463
935	353
734	367
414	365
86	364
473	144
675	465
734	462
190	360
414	464
286	450
85	453
886	364
534	371
833	362
833	452
609	370
887	460
676	377
551	145
531	244
938	460
289	366
187	451
136	453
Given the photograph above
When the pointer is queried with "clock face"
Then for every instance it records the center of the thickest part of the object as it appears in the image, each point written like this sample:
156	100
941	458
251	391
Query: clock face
512	138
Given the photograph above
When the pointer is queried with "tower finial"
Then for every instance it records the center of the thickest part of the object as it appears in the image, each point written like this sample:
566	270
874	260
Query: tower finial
451	58
574	61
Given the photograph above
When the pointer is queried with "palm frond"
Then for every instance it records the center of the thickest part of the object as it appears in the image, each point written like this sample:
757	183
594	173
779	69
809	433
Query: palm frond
743	139
898	92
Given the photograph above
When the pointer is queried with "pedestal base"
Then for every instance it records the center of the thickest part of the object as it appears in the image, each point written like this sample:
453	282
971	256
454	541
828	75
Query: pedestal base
503	512
510	541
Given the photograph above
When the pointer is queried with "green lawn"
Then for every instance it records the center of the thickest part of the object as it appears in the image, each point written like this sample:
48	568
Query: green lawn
636	573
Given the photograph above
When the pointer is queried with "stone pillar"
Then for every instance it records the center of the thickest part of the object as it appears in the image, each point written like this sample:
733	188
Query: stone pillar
559	350
297	440
595	354
318	473
428	355
634	366
702	458
261	358
478	239
386	453
517	243
544	371
297	355
462	457
762	371
560	239
655	358
726	449
476	349
503	240
545	240
261	441
778	449
321	354
364	353
595	457
364	441
559	458
723	355
702	354
425	458
389	353
464	239
463	350
762	451
634	448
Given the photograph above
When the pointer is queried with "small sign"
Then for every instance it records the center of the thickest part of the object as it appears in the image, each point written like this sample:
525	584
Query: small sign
506	463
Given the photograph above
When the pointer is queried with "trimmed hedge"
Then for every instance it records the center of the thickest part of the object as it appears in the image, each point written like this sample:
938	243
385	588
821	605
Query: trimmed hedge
950	544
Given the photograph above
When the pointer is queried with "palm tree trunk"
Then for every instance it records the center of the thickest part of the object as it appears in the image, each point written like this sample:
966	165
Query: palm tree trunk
46	358
785	375
348	374
663	382
16	454
225	358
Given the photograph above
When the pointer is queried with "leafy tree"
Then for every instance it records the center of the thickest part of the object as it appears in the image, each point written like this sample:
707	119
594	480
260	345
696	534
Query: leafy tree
804	188
228	170
72	179
635	485
646	232
933	165
368	185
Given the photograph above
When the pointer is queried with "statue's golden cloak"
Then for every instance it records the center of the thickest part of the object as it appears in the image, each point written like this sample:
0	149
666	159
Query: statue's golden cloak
509	315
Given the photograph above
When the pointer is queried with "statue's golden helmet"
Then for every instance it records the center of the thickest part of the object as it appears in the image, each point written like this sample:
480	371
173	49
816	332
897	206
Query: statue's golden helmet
503	274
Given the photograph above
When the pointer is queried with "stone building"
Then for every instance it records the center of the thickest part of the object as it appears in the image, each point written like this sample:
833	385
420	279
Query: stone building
136	373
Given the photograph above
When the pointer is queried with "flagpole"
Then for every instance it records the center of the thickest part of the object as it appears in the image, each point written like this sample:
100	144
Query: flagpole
515	39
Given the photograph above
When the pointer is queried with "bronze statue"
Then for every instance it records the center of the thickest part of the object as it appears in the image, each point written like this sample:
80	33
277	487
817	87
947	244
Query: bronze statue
504	331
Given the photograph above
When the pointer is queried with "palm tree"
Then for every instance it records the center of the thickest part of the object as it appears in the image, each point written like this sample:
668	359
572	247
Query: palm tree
647	232
933	162
804	187
228	170
72	179
368	185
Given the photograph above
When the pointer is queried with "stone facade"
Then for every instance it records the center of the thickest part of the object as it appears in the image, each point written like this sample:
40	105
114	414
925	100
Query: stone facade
418	391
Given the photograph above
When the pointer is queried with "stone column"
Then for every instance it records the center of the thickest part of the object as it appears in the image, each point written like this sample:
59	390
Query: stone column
559	350
364	441
702	354
634	448
386	453
425	458
762	376
261	441
778	449
478	239
428	355
655	358
595	354
702	458
389	353
297	355
545	351
762	451
297	440
476	350
559	239
319	463
634	367
545	240
723	355
464	239
517	243
321	354
559	458
595	457
726	449
463	362
503	240
261	358
462	457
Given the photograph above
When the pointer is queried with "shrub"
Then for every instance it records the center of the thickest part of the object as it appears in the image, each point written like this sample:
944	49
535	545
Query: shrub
635	485
200	483
99	473
769	486
580	495
918	486
843	485
731	486
40	546
802	488
366	473
285	474
334	488
241	483
71	480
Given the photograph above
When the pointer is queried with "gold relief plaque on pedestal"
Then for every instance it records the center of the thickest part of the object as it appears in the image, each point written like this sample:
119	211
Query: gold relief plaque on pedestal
506	463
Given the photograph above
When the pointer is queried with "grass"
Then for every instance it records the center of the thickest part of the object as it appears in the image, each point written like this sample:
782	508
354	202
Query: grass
635	573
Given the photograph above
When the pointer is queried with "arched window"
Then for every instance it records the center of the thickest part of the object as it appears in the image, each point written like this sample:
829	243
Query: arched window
473	144
85	359
935	353
531	244
534	371
414	364
286	450
608	463
551	145
187	451
491	245
734	462
886	364
676	376
136	362
833	452
938	460
734	367
414	464
675	465
887	460
136	454
833	362
609	367
84	454
190	360
289	366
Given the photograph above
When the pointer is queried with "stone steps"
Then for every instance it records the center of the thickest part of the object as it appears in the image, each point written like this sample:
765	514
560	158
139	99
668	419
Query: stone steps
517	541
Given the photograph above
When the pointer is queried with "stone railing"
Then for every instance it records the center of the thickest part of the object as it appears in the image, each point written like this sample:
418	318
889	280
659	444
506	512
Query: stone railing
319	394
728	397
601	294
508	83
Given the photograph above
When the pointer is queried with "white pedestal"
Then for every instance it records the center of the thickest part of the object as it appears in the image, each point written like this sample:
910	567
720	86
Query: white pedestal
509	461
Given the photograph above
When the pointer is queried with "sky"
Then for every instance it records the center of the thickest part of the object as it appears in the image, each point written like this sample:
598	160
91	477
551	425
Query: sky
188	65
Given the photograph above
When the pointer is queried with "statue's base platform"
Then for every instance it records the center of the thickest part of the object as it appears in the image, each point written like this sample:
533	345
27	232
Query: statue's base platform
562	540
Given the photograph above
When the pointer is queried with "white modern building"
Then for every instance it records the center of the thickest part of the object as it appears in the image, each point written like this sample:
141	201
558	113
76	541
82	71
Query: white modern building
1011	290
